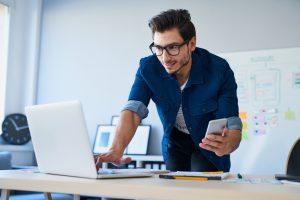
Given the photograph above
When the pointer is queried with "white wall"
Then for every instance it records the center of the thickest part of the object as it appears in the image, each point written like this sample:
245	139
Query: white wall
90	49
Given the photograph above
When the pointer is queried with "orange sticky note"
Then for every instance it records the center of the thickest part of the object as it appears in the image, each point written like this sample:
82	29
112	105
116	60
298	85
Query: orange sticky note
243	115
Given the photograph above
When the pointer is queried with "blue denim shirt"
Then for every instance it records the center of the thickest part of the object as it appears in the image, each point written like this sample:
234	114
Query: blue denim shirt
210	93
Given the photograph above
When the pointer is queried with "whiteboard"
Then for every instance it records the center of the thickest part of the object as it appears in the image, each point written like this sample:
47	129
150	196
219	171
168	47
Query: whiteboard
269	104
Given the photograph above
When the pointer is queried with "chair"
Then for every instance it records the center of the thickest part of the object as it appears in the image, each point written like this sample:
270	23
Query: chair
292	172
293	163
5	160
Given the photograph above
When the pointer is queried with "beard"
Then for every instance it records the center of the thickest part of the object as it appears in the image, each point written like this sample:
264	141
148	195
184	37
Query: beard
183	63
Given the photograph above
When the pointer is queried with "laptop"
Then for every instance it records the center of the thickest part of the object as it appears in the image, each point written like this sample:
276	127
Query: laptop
61	142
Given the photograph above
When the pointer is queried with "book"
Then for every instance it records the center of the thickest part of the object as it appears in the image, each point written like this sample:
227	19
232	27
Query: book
182	175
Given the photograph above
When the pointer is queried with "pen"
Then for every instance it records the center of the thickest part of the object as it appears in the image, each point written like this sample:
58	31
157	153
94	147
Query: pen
190	178
215	172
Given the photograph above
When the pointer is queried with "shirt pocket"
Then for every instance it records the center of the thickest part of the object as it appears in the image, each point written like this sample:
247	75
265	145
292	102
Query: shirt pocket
204	108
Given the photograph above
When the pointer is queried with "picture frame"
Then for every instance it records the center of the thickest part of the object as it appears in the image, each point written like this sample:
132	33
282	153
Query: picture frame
103	139
115	119
139	143
137	146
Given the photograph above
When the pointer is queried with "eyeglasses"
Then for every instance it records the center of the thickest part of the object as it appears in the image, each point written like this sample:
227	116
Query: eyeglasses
171	49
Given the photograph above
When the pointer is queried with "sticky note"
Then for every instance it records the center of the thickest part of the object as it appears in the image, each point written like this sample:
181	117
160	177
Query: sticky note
243	115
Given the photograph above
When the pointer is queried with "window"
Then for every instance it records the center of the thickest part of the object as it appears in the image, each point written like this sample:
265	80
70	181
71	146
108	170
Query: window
3	55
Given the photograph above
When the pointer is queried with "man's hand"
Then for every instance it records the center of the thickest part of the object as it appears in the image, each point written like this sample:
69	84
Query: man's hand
111	157
222	144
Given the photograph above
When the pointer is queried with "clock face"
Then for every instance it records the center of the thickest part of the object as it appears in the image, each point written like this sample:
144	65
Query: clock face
15	129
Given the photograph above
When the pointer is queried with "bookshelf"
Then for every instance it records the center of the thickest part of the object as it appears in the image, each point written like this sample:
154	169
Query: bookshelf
147	161
141	160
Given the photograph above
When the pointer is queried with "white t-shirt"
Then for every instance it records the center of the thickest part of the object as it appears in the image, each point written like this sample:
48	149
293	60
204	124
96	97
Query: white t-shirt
180	123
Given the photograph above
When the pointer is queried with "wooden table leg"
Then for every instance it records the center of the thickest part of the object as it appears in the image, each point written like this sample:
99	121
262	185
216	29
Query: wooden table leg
5	194
47	196
76	197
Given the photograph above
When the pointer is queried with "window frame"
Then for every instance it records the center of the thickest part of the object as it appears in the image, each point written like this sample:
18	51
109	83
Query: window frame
4	56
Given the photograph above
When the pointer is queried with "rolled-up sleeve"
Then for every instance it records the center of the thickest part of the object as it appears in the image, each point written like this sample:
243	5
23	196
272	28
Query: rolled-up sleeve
139	96
138	107
234	123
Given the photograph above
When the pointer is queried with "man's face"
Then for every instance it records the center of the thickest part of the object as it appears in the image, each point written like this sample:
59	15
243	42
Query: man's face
182	61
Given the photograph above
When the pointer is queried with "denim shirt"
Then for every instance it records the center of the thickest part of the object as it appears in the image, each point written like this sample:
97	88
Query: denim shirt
210	93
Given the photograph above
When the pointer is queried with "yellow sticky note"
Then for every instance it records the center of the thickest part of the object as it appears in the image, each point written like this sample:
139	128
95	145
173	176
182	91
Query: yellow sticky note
245	125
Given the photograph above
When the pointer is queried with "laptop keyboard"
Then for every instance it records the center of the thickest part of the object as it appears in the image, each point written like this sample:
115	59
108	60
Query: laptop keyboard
118	171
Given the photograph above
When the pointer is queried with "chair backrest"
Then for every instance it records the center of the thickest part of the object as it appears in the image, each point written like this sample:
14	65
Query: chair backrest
293	163
5	160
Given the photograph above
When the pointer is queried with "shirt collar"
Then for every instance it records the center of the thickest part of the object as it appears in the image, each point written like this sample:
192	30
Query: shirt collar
197	69
196	75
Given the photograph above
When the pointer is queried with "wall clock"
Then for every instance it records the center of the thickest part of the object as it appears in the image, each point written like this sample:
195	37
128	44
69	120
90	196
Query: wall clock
15	129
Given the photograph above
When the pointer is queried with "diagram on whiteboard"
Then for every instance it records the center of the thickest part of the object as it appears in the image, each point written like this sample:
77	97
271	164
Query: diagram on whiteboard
265	87
269	103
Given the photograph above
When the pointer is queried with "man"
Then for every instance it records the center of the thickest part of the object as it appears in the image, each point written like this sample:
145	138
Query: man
190	87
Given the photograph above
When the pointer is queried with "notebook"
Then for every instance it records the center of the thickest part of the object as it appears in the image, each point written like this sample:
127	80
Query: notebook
184	175
61	142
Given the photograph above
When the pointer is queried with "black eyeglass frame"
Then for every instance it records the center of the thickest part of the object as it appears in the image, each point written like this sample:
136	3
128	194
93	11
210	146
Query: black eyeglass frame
165	48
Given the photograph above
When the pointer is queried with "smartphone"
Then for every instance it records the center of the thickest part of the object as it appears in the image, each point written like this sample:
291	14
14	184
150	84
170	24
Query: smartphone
216	126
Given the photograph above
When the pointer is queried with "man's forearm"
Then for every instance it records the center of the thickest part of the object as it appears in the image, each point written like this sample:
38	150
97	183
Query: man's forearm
125	130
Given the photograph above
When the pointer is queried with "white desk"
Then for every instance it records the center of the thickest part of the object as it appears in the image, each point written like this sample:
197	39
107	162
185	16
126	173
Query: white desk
145	188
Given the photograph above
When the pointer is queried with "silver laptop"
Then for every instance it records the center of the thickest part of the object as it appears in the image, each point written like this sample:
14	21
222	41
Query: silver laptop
61	142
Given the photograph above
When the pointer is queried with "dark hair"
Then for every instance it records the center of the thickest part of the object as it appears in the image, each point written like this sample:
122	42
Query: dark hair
169	19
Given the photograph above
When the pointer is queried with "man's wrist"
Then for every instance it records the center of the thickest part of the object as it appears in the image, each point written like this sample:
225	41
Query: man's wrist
118	151
236	140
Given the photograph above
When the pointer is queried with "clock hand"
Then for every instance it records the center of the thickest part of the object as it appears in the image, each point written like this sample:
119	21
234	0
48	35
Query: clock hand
14	123
22	127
